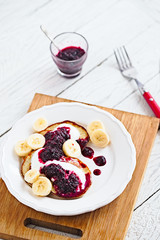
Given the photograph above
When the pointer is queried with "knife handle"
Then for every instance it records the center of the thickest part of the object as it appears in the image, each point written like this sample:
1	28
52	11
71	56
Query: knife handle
152	103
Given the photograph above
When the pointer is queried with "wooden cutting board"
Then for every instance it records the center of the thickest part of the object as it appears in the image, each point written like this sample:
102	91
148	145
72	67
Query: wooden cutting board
107	223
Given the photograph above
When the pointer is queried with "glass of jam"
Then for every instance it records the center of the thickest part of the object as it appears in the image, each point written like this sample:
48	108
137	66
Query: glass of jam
72	53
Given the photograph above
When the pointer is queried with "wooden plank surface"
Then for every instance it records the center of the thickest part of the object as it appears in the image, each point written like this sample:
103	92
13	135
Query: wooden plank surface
109	222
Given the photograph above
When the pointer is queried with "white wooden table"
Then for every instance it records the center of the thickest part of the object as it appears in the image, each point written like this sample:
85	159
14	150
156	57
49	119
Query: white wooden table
26	67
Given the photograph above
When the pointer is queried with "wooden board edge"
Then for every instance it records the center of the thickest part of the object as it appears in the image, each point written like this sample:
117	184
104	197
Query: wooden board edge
37	95
11	237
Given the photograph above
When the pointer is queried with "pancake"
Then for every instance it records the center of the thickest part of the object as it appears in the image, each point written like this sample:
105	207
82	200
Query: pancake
70	177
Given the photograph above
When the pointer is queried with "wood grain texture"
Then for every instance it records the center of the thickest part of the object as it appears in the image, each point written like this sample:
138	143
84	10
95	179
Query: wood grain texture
104	223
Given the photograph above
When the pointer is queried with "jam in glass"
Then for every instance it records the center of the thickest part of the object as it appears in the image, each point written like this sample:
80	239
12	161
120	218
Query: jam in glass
72	53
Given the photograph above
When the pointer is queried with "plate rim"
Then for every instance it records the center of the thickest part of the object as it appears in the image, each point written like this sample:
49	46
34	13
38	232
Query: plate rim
81	210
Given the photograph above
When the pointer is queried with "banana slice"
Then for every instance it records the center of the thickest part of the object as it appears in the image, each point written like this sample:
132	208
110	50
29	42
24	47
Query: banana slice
100	138
71	148
40	124
36	141
31	176
42	187
22	148
95	125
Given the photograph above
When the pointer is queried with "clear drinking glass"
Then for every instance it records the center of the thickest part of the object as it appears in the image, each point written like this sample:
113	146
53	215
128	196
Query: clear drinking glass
72	55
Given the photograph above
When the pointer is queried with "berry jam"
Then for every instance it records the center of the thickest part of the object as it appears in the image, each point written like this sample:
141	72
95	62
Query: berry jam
70	53
100	160
57	137
97	172
83	142
70	61
66	183
88	152
53	145
47	154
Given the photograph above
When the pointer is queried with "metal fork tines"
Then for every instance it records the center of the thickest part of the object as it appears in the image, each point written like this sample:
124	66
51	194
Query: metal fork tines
122	58
125	65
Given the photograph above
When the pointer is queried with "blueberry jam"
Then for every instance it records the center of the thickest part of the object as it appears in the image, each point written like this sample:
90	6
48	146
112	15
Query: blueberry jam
83	142
70	53
70	60
88	152
66	183
100	160
57	137
97	172
53	145
47	154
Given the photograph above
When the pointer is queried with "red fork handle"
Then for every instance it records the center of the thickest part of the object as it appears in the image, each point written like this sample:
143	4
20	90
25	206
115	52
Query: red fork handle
152	103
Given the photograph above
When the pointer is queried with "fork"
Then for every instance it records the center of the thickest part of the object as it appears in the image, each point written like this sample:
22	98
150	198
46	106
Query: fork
130	72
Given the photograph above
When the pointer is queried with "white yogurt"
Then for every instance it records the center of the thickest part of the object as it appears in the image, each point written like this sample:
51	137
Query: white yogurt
35	163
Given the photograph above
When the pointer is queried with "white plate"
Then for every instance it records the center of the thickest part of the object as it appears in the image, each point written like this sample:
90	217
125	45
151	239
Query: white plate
120	156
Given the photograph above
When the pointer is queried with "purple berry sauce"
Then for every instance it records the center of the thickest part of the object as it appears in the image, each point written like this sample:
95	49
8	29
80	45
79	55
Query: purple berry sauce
100	160
83	142
66	183
88	152
53	145
70	53
97	172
